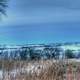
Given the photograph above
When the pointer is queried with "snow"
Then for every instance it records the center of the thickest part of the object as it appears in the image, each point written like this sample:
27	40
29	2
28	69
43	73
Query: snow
1	75
71	47
39	48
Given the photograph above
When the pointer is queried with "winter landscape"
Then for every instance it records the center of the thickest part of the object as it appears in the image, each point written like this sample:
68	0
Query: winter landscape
49	34
57	61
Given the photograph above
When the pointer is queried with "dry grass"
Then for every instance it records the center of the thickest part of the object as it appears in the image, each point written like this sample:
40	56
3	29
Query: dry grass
38	70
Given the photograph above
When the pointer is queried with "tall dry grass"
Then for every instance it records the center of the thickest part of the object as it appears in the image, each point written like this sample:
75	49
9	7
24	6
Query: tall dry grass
42	70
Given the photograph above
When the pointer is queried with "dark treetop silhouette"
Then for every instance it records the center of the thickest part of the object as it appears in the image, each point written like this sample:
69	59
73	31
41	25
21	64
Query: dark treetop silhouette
3	5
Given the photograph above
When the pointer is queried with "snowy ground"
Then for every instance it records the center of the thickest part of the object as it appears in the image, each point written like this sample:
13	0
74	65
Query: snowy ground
1	74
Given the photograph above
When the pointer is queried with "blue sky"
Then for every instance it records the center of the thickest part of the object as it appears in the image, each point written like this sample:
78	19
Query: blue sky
41	21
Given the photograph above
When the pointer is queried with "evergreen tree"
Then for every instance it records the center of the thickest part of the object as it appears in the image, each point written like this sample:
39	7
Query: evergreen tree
69	54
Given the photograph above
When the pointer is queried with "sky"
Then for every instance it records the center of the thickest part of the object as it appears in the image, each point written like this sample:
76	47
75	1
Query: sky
40	21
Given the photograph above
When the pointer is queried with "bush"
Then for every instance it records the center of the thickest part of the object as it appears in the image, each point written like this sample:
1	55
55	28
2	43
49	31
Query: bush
69	54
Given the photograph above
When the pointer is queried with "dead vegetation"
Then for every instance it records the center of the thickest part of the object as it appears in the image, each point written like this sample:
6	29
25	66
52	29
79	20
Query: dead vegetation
39	70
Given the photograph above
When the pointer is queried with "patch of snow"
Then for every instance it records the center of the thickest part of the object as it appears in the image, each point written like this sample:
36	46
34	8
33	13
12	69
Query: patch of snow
39	48
1	76
71	47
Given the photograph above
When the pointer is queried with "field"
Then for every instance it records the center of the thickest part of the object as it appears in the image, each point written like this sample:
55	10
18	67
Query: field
40	70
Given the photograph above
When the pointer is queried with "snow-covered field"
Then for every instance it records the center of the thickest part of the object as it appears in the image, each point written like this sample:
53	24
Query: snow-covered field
71	47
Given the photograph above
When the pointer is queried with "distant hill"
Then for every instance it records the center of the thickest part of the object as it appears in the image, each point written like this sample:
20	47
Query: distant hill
40	51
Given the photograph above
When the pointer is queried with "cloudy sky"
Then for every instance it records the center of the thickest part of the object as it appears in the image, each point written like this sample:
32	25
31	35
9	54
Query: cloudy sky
41	21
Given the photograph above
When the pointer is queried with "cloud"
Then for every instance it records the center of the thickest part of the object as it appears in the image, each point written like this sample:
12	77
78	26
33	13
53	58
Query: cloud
42	11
